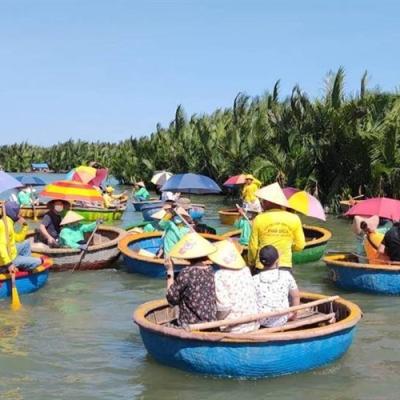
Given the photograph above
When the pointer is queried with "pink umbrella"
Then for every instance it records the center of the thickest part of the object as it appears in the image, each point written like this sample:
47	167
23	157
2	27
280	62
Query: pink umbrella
235	180
381	206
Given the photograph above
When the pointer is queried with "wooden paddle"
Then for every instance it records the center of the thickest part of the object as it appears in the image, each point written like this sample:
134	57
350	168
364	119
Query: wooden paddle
257	317
15	301
244	215
83	252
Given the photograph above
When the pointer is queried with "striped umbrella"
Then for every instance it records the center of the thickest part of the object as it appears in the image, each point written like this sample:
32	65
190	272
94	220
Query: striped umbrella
71	191
160	177
305	203
235	180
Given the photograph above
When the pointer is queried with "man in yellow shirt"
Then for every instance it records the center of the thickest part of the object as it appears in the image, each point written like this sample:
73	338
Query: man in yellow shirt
249	197
276	227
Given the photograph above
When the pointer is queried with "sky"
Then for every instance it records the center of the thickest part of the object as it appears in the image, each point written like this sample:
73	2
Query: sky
108	69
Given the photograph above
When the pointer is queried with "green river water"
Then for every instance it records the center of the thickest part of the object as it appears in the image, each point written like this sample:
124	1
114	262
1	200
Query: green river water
75	339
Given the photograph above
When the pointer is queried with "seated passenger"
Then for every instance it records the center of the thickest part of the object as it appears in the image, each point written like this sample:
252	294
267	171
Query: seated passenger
25	197
50	228
15	255
73	232
141	193
234	287
274	287
390	245
193	291
244	224
361	234
110	199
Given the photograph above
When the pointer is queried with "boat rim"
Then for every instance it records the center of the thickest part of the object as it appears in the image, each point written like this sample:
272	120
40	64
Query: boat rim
124	243
111	243
337	260
46	264
355	314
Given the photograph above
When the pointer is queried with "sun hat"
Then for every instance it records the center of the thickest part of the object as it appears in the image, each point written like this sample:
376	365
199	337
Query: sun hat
66	203
181	211
184	202
372	223
249	176
140	183
268	255
274	194
227	255
191	246
109	189
71	217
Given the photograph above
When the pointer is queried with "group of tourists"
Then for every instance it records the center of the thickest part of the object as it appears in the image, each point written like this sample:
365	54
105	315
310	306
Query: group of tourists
239	288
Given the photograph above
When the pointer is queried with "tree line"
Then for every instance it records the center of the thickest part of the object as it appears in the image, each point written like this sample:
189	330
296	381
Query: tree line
335	145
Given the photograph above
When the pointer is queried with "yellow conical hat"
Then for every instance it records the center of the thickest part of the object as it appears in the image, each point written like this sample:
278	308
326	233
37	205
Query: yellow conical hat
227	255
274	194
191	246
71	217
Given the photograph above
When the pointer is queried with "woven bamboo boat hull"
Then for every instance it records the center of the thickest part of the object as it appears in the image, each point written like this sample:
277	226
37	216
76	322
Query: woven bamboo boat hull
27	212
220	354
139	204
228	216
152	267
347	273
316	243
98	256
26	282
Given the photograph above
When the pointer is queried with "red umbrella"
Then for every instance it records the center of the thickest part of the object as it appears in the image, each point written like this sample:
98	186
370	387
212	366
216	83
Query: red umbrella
381	206
235	180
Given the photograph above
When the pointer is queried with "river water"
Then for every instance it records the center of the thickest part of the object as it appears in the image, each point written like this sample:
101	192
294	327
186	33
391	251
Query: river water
75	339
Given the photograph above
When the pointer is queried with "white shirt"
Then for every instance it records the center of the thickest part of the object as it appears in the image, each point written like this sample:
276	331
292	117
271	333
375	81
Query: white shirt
272	290
235	292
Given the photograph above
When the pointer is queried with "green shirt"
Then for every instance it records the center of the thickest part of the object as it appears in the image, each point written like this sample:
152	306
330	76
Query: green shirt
70	236
172	235
142	194
245	227
24	198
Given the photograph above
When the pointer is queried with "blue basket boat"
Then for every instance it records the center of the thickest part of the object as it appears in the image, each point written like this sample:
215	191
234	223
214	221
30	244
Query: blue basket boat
316	243
138	205
139	254
258	354
26	282
348	273
149	210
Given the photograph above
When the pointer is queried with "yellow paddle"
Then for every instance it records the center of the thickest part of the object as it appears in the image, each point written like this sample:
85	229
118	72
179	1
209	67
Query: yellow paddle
15	302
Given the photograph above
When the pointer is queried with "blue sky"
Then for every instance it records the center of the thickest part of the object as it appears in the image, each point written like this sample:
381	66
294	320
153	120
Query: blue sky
105	70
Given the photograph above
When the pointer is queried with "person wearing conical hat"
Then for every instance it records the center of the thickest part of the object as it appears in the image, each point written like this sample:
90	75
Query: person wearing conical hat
234	287
276	227
193	291
251	185
244	223
50	225
140	192
73	231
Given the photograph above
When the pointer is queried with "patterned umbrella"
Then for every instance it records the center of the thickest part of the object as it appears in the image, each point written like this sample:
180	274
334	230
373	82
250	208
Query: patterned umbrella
235	180
160	177
89	175
305	203
8	182
71	191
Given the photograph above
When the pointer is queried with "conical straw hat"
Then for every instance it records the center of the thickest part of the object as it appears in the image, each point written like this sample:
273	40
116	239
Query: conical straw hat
140	183
160	214
227	255
274	194
71	217
191	246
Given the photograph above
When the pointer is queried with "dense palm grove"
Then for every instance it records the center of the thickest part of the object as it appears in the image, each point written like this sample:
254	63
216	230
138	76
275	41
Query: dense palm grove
335	145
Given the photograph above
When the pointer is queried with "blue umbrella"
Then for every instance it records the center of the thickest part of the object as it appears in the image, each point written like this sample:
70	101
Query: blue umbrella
191	183
31	180
8	182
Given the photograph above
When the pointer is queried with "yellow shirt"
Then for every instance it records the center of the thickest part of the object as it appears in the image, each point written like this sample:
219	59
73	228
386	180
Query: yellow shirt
249	191
278	228
7	253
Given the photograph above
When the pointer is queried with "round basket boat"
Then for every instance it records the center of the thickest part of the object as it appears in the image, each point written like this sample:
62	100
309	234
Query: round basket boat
139	204
149	209
348	273
98	256
258	354
139	254
228	216
30	213
316	243
26	282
